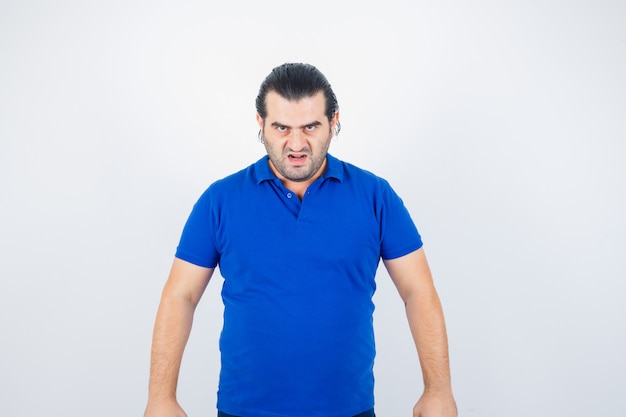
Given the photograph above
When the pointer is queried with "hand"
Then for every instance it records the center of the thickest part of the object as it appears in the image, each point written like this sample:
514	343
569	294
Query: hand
435	404
166	408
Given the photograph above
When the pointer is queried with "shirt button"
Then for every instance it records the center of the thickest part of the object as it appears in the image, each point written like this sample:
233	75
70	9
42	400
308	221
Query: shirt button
289	195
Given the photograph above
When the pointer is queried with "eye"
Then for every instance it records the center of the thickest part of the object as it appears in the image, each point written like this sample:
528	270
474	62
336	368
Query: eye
310	128
281	129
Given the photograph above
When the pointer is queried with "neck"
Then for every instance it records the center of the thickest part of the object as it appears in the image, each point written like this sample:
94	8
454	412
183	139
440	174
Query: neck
299	187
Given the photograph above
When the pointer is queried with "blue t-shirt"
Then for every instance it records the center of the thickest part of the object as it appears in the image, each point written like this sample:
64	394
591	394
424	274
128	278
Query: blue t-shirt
298	336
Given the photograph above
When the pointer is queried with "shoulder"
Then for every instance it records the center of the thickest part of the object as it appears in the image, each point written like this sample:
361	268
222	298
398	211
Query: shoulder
352	174
235	183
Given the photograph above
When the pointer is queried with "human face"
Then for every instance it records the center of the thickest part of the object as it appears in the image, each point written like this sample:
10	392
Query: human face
297	135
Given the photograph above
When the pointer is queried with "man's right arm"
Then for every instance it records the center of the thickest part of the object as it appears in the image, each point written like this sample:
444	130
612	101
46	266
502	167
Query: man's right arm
181	295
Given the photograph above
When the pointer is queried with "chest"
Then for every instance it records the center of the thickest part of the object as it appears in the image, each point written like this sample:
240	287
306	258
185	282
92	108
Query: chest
329	228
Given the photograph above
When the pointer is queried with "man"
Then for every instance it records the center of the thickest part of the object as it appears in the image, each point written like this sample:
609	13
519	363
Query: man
298	237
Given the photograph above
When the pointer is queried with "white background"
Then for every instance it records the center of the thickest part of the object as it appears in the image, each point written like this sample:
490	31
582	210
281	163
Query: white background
502	124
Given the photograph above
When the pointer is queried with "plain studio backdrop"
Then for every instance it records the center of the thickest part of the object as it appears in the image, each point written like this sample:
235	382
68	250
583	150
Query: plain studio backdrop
501	124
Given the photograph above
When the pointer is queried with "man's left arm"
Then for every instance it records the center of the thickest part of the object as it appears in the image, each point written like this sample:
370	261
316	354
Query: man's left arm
412	277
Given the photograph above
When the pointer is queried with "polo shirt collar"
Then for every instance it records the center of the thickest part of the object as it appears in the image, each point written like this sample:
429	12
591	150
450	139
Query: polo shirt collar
334	169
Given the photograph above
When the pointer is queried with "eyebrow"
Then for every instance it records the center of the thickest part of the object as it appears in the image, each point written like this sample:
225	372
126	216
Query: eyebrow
315	123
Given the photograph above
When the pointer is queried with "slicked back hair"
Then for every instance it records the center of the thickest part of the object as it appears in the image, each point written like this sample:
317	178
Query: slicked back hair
296	81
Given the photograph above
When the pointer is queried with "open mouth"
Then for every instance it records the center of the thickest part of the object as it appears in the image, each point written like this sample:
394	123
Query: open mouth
297	158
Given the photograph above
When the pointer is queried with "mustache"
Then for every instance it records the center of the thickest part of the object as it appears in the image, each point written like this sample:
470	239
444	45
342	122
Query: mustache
305	150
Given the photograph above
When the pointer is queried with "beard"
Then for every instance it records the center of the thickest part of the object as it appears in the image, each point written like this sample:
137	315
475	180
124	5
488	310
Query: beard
281	162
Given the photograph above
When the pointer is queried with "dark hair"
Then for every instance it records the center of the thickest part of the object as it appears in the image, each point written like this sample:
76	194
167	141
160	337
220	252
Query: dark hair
296	81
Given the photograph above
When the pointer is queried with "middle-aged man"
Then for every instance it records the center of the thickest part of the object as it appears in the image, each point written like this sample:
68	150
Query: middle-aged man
298	237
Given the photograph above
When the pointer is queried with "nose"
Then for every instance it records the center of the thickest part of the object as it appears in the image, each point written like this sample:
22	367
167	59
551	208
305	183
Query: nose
296	140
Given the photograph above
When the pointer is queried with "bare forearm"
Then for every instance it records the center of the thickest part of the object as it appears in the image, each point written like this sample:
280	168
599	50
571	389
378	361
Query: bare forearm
428	328
180	297
171	332
413	279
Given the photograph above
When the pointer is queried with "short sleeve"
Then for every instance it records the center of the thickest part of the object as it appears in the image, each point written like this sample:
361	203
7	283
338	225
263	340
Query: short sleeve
197	242
398	234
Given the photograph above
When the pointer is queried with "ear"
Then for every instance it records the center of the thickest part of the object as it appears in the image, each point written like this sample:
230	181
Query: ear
259	120
333	121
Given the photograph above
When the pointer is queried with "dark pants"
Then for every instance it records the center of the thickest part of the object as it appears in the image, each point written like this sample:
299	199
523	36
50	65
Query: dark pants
369	413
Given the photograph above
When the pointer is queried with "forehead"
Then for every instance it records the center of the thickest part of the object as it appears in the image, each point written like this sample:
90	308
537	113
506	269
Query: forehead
307	109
